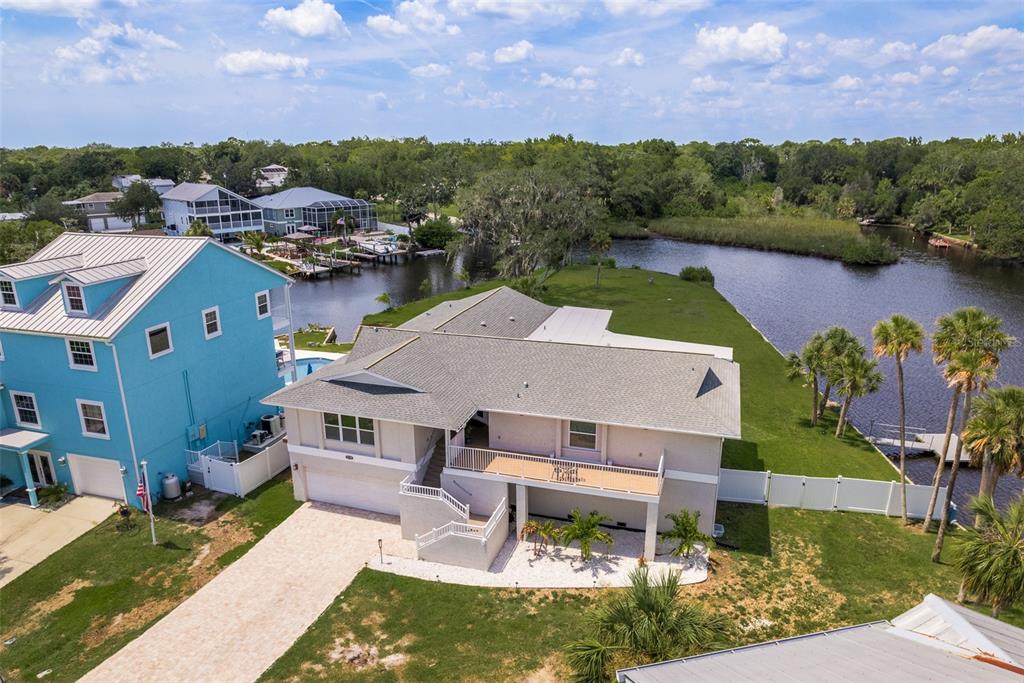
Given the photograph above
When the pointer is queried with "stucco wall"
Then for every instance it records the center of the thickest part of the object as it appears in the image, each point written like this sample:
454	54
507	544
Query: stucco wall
558	504
522	433
694	496
481	495
344	468
420	514
632	447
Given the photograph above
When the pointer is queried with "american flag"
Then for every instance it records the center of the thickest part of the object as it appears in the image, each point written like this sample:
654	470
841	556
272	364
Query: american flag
141	493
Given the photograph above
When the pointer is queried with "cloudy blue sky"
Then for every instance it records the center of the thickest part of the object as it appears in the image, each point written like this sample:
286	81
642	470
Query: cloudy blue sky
145	71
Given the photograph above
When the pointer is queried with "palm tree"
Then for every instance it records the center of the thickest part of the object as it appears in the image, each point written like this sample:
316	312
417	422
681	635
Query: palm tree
647	620
972	371
531	527
685	530
994	435
255	240
857	376
839	342
199	228
810	365
384	298
600	243
965	329
548	532
585	531
897	337
990	558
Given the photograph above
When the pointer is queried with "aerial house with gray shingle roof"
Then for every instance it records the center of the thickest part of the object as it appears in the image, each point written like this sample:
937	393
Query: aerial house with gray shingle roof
498	400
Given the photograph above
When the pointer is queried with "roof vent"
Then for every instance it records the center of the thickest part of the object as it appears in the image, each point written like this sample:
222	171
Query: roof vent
483	323
526	385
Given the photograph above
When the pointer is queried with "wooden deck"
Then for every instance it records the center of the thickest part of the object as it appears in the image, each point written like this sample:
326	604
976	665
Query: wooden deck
557	470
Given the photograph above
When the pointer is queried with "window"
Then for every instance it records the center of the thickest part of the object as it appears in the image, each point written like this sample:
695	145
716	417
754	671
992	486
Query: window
289	213
583	435
159	339
75	298
26	411
80	354
94	422
211	322
88	206
348	428
262	304
8	295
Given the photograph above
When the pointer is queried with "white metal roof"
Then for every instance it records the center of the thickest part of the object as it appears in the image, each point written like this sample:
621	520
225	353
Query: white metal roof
298	197
39	268
104	256
110	271
190	192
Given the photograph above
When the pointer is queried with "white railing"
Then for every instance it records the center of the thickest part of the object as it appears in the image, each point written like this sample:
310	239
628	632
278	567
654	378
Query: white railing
410	489
558	470
474	531
221	450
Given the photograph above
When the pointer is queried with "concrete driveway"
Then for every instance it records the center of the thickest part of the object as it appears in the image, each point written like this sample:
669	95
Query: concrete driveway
28	536
239	623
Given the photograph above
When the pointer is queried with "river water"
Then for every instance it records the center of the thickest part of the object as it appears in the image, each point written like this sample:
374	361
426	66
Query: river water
787	297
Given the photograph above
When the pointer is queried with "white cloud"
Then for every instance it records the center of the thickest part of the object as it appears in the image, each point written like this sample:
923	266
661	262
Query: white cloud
847	82
421	15
848	48
378	101
652	8
431	70
111	53
477	60
63	8
926	70
760	43
262	63
980	40
897	51
628	57
517	52
904	78
546	80
308	19
517	10
709	83
950	71
584	71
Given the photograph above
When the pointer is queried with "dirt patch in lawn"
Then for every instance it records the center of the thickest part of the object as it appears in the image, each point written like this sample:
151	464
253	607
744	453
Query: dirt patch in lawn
65	596
199	512
552	671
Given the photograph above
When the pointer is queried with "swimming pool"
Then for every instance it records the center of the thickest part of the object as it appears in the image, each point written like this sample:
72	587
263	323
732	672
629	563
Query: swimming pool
307	366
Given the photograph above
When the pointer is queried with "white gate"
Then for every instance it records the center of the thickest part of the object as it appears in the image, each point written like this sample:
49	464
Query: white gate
220	475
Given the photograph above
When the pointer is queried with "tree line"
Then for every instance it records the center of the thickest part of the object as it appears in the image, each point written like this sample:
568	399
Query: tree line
960	185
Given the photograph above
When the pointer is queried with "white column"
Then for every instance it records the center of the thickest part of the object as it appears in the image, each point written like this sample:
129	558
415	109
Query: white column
651	532
377	452
522	508
291	328
558	438
604	443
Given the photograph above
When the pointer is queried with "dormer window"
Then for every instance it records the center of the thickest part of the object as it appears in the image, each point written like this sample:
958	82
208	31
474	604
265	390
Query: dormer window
74	299
8	295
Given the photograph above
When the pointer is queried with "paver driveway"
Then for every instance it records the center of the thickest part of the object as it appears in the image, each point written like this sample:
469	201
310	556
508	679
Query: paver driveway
237	625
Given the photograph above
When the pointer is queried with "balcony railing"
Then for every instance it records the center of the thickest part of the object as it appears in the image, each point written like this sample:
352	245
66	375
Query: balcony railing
558	470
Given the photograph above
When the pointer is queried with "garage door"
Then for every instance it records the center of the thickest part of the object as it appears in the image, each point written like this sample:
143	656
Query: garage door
97	476
376	495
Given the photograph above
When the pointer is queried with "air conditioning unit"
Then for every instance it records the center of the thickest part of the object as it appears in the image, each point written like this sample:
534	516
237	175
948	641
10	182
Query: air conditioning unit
271	424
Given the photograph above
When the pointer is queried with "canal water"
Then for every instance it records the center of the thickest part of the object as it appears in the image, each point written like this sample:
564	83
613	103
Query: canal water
787	297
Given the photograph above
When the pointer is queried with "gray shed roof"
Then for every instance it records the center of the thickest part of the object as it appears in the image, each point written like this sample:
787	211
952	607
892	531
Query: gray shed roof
151	262
877	652
190	192
454	375
298	197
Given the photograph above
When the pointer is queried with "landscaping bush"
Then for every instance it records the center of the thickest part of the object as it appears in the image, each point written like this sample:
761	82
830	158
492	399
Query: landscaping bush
606	262
435	234
697	274
52	495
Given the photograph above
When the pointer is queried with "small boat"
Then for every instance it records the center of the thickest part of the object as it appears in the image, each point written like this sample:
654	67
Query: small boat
939	242
376	247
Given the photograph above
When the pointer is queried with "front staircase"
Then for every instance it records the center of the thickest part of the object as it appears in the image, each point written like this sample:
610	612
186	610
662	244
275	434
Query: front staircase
432	477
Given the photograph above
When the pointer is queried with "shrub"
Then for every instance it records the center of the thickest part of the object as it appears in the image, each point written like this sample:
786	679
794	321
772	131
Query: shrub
402	237
871	251
606	262
435	234
697	274
50	495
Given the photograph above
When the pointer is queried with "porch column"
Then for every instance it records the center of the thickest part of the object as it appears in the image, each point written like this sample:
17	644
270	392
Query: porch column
522	508
291	328
30	484
558	438
651	533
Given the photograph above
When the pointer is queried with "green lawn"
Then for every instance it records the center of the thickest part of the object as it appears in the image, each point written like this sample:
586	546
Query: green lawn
314	341
787	572
91	597
776	430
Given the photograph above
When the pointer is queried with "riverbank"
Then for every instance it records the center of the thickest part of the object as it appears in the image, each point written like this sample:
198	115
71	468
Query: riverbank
826	238
776	430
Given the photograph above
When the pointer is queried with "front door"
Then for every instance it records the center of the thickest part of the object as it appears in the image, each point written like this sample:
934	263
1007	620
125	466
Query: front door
41	465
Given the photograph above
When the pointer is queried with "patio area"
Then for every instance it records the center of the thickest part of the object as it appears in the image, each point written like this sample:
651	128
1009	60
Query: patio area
555	567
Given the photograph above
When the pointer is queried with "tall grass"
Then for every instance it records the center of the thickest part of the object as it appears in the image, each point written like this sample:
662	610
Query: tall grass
825	237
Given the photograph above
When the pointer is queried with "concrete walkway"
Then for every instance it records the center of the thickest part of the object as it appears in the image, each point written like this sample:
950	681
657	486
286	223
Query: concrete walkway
28	536
237	625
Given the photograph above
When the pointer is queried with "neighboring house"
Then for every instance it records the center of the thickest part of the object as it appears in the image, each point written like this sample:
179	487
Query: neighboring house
307	207
99	216
161	185
224	211
116	349
519	404
12	215
935	641
271	176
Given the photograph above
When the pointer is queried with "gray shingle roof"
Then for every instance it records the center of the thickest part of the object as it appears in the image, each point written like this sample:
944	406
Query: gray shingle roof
501	312
96	197
460	374
100	257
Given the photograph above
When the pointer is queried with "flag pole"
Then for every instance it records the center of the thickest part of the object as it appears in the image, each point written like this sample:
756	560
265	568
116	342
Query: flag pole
149	501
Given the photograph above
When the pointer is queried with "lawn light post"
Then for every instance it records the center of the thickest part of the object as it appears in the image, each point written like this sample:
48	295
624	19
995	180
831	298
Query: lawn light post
380	547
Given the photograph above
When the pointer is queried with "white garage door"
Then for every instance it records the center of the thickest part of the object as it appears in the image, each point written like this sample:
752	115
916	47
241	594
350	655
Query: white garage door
97	476
376	495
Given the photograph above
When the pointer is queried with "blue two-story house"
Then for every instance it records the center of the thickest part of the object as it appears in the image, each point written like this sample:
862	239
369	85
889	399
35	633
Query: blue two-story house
119	349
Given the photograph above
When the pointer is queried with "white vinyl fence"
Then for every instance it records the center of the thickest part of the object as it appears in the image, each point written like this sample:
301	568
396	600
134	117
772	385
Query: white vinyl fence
823	493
